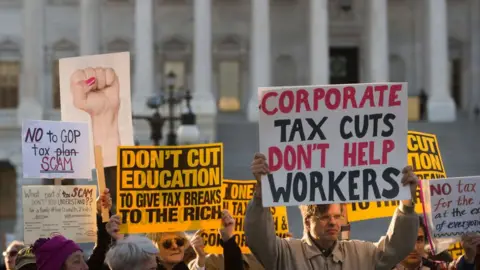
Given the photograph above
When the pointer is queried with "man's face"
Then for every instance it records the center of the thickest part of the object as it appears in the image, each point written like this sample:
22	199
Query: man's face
415	257
326	226
10	255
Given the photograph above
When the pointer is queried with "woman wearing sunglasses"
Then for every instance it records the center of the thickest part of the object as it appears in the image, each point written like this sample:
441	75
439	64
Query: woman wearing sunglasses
171	247
11	254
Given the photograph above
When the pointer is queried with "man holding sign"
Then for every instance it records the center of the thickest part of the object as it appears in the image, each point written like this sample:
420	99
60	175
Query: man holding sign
320	248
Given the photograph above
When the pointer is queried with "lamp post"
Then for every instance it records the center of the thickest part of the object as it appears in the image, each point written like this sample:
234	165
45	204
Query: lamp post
172	136
187	131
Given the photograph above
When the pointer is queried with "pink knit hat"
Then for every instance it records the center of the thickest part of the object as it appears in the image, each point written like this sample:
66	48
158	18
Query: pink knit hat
51	253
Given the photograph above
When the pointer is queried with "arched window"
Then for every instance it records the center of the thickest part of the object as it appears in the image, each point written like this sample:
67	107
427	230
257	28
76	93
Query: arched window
61	49
175	55
9	74
229	51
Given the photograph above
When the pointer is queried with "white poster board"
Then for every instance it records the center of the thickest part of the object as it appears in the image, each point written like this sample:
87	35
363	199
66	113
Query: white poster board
96	89
66	210
333	143
54	149
451	209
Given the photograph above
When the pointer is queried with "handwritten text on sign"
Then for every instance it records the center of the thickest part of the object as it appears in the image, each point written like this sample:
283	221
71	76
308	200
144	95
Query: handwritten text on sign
455	206
335	143
53	149
165	189
236	195
66	210
424	157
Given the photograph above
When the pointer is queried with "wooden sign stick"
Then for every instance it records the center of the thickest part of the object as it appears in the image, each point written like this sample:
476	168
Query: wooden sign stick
101	178
57	181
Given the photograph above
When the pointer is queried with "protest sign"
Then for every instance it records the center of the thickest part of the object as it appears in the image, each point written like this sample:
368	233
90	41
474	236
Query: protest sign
169	188
334	143
451	209
66	210
424	157
53	149
236	195
96	89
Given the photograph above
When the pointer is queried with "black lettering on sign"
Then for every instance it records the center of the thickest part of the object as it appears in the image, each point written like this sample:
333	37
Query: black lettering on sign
162	215
196	213
300	185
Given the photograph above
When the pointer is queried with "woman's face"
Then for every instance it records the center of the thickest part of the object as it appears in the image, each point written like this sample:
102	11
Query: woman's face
172	248
76	262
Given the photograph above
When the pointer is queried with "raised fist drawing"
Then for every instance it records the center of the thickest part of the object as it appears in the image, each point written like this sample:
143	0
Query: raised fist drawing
97	92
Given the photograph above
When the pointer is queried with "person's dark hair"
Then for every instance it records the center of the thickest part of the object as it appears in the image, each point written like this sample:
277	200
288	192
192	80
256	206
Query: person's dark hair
308	211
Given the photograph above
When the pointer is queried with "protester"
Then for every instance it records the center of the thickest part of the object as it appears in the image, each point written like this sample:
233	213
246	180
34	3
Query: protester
416	259
232	255
171	246
58	253
471	259
320	248
132	253
10	254
25	259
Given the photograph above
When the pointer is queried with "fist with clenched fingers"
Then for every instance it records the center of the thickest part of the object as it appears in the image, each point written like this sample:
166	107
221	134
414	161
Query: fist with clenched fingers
96	91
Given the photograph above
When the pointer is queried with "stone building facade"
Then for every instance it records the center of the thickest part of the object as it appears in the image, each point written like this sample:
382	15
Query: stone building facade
223	49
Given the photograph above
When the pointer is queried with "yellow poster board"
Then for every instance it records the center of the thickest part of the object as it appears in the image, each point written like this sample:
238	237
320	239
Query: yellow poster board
236	195
425	158
169	188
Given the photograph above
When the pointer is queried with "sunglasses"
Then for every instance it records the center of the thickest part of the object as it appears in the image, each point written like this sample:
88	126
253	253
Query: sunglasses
11	253
167	244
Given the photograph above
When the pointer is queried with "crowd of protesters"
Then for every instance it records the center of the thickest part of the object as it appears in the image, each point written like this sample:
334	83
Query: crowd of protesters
403	246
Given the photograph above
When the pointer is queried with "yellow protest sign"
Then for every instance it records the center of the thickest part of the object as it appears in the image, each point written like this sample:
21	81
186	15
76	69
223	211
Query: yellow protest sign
169	188
236	195
424	157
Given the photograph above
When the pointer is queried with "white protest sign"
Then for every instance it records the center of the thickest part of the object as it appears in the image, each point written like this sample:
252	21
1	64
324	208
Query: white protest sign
333	143
54	149
451	209
66	210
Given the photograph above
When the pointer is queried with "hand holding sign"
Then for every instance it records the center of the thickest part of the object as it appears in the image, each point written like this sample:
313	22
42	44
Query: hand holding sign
199	247
228	226
409	178
113	227
97	92
104	201
470	243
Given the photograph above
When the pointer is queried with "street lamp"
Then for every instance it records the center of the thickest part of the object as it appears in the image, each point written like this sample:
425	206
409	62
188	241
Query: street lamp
172	136
187	132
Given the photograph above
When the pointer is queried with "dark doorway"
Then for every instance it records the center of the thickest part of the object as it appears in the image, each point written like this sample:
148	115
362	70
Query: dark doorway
456	81
344	65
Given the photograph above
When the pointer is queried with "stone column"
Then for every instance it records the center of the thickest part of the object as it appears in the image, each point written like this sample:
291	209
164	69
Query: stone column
19	211
144	82
32	75
319	45
260	70
203	101
440	107
90	26
474	69
377	40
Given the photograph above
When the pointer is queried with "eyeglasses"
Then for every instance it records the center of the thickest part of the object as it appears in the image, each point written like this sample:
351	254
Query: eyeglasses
327	218
11	253
167	244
